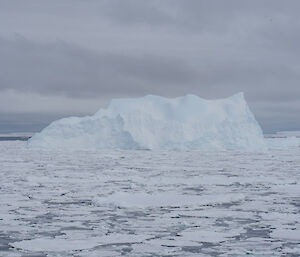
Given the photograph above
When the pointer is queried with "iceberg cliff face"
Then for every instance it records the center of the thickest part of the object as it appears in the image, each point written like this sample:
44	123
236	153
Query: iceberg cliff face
154	122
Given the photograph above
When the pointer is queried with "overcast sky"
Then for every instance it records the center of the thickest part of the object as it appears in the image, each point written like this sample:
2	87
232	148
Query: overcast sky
70	57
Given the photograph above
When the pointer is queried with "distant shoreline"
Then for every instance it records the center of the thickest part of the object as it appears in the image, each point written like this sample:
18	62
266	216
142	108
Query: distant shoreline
22	136
14	138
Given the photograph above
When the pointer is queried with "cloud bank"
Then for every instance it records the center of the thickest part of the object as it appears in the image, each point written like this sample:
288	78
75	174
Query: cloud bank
61	58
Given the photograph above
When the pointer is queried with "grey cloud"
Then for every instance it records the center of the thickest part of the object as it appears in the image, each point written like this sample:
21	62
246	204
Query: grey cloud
135	12
60	68
25	122
111	48
66	69
200	15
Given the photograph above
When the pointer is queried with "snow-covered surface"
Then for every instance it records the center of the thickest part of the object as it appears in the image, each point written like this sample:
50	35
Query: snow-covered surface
288	133
154	122
283	142
91	203
170	199
67	244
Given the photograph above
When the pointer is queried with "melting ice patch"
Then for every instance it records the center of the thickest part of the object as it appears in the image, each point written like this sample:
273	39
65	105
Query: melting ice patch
154	122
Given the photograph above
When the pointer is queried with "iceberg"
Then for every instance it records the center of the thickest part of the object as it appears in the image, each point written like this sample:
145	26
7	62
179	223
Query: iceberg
158	123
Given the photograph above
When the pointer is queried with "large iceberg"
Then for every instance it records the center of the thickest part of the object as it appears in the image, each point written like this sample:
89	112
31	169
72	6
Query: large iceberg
154	122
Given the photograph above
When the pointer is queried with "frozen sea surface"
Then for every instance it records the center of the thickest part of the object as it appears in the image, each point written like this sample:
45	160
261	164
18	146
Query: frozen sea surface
148	203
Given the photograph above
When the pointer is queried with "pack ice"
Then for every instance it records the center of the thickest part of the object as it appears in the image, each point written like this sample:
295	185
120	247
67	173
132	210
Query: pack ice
154	122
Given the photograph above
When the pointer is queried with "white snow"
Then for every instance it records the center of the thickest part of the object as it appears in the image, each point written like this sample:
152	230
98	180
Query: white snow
287	234
210	236
154	122
283	142
54	244
61	244
165	199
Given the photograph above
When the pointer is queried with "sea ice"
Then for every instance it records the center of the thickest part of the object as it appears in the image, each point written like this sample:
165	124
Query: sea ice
148	203
283	142
165	199
54	244
61	244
